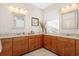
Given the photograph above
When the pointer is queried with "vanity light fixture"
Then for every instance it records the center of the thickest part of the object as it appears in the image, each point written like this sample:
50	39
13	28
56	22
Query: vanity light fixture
17	10
69	8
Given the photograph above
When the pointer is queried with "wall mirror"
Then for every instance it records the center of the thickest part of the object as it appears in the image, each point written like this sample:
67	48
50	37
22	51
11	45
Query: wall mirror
69	20
19	20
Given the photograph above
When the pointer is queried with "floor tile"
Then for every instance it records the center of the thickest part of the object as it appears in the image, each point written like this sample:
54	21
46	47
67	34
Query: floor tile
40	52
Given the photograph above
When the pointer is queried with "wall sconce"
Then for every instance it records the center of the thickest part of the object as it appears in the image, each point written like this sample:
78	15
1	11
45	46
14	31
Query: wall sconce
17	10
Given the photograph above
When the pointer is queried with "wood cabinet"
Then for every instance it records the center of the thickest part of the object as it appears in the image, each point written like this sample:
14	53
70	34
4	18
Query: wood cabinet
69	47
53	47
50	43
35	42
65	46
47	42
20	45
31	43
25	45
7	47
77	47
60	46
38	41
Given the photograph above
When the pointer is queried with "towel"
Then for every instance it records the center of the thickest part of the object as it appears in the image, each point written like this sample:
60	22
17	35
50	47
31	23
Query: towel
0	46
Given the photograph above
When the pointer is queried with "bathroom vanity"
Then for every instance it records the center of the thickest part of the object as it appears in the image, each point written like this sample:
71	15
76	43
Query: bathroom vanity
60	44
19	45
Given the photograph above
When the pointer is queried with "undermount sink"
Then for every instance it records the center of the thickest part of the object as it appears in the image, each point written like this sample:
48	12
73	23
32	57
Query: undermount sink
74	35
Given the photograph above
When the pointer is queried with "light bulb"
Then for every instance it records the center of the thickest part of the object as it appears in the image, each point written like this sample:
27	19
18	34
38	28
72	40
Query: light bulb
67	7
74	4
16	10
11	8
62	9
21	11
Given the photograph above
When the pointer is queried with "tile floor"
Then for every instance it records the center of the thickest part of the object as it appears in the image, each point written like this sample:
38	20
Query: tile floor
40	52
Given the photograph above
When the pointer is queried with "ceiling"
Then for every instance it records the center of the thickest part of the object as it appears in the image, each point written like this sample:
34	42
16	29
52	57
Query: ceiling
41	5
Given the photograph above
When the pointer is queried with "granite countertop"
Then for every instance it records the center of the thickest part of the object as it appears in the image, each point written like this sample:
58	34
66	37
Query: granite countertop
21	35
58	35
65	36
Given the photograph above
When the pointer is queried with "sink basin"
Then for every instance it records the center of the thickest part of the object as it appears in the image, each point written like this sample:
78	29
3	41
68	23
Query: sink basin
74	35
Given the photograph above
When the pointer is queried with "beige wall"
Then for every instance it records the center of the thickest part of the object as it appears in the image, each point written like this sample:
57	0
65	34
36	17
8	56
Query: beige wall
53	13
6	18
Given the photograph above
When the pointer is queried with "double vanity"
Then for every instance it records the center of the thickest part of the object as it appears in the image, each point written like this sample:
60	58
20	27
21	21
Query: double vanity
21	44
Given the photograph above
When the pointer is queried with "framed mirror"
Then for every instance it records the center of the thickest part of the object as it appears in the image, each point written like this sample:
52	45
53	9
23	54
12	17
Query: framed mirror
19	20
69	20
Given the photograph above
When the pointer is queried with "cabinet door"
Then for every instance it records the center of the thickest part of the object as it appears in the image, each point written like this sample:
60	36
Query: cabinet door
77	47
17	46
25	45
47	42
38	41
53	48
69	47
60	46
31	43
44	41
7	47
